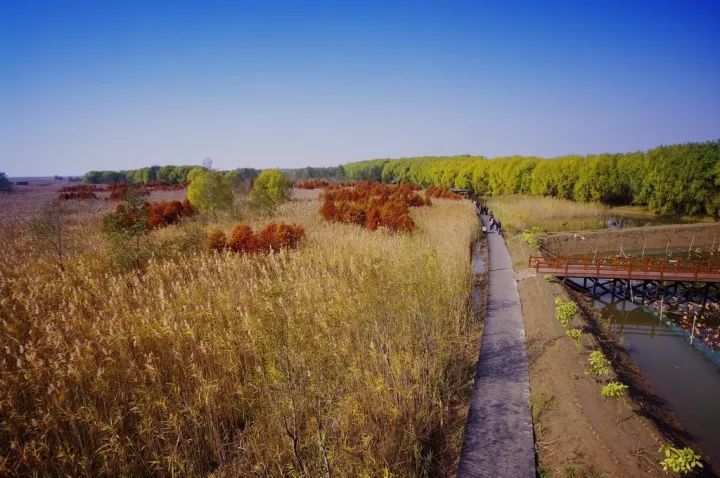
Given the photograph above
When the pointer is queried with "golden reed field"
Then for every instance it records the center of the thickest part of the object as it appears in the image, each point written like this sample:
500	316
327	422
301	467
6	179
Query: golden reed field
351	355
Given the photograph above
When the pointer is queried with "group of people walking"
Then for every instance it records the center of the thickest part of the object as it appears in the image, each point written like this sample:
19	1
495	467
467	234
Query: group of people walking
494	224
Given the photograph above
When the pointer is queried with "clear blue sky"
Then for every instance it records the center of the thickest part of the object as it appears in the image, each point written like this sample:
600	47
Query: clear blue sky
118	85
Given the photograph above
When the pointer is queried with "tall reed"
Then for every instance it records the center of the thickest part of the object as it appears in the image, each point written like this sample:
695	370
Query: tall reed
338	358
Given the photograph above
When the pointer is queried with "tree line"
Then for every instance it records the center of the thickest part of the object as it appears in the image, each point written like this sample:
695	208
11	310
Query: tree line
674	179
179	174
167	174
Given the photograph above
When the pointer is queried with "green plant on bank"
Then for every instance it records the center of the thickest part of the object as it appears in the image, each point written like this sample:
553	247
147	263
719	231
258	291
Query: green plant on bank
565	310
576	335
679	460
598	364
539	405
529	236
614	390
548	277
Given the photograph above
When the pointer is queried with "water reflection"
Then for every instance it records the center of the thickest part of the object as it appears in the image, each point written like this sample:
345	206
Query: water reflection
686	378
616	221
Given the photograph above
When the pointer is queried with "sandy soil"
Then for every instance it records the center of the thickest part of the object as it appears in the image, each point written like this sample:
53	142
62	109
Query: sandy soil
577	432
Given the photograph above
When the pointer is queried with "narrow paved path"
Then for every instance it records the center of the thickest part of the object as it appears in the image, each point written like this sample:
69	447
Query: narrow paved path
499	434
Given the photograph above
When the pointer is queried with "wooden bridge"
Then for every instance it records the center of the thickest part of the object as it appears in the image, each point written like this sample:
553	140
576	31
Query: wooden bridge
633	268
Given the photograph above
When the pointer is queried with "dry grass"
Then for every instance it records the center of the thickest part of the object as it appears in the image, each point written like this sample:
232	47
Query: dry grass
344	357
518	213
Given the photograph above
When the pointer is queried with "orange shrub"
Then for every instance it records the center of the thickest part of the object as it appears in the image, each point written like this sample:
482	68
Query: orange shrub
119	190
274	237
372	205
79	191
156	214
443	193
271	238
163	186
128	218
242	239
167	212
312	184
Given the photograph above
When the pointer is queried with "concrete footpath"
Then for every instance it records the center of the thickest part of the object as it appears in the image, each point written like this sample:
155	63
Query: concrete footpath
499	435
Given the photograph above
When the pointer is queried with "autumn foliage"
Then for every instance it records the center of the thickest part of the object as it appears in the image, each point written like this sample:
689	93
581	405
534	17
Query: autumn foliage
216	240
167	212
372	205
118	191
79	191
312	184
442	193
163	186
155	215
272	237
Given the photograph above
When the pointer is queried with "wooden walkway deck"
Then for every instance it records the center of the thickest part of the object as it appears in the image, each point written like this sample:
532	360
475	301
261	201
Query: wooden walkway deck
627	269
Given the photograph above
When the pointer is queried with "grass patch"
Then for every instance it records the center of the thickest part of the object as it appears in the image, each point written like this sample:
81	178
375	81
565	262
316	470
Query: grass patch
520	213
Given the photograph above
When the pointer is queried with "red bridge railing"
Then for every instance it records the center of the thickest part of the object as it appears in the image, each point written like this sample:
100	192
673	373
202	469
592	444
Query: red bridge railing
628	268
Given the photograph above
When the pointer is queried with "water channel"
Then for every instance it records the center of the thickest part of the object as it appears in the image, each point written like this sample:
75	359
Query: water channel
687	377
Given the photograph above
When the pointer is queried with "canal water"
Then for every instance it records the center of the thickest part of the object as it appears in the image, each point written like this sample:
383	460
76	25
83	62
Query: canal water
685	376
619	221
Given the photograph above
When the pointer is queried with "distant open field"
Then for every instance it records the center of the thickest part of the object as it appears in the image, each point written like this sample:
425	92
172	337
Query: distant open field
26	201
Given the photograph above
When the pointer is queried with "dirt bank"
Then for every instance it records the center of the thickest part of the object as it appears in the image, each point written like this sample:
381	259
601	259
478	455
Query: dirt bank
630	239
577	432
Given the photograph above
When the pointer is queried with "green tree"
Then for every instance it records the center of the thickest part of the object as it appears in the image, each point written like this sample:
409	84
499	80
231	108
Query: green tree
5	184
235	177
209	191
270	188
125	230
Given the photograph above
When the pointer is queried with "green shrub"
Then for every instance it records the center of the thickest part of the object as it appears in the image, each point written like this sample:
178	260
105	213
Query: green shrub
269	189
614	390
598	364
679	460
529	236
210	191
565	311
576	335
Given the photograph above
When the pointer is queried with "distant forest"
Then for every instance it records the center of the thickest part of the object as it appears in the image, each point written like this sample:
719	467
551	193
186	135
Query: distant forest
166	174
178	174
677	179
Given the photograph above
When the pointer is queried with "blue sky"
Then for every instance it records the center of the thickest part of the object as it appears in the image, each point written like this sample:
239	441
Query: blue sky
119	85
